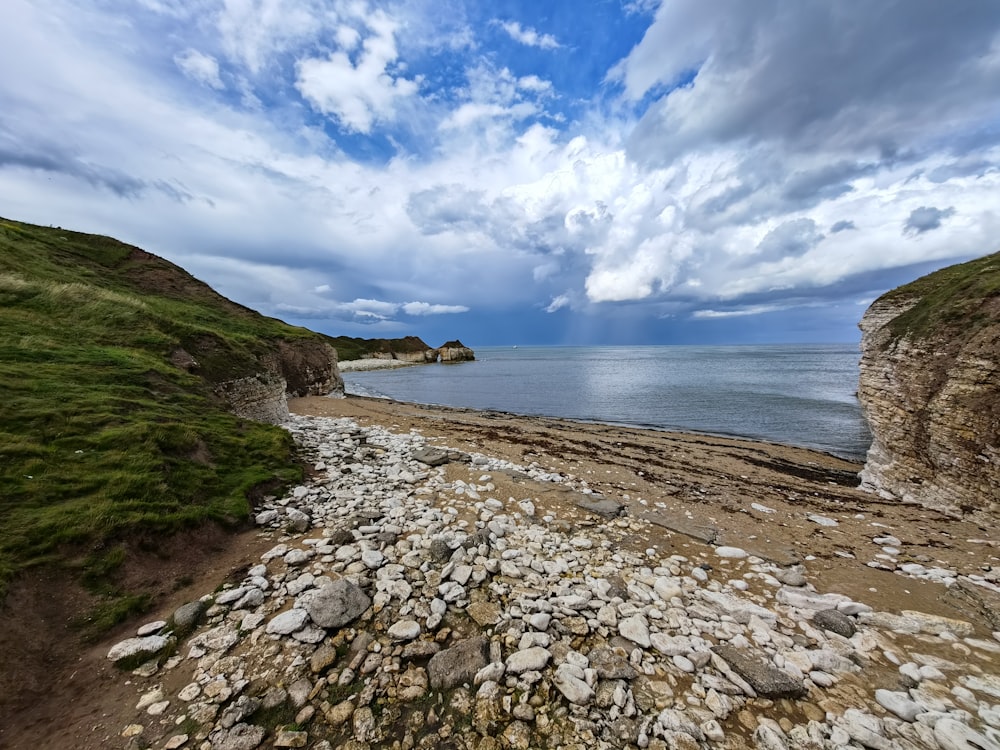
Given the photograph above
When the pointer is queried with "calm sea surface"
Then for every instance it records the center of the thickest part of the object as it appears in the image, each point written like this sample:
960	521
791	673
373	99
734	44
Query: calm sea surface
798	395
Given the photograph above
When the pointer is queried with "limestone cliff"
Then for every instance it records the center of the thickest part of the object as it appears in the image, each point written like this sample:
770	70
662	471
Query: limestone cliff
930	389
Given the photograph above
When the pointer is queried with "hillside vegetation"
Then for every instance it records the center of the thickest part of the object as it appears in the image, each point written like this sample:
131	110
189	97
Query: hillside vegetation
958	299
102	437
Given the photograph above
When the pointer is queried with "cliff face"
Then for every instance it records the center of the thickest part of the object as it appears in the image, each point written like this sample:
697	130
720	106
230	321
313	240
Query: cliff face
930	389
295	368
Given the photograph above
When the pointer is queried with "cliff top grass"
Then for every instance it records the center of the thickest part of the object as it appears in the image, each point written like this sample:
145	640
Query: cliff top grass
102	439
960	299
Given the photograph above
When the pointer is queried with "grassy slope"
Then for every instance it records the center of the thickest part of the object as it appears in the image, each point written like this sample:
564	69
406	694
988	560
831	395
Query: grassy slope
101	437
957	300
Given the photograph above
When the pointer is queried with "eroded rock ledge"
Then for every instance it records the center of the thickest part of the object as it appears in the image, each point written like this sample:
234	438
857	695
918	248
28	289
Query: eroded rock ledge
930	389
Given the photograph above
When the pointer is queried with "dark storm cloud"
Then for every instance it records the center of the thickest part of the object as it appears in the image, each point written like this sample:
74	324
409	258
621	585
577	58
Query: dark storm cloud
926	218
847	77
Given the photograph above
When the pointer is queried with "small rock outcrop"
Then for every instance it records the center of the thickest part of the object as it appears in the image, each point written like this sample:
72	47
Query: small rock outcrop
930	389
455	351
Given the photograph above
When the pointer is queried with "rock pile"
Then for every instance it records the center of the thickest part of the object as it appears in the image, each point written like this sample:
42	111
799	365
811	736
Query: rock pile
403	609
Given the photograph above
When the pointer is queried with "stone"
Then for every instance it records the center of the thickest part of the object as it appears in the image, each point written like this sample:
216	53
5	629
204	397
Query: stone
288	622
954	735
635	629
296	521
240	737
528	660
610	665
337	604
404	630
835	621
151	628
754	667
431	456
459	664
175	742
290	738
484	613
899	704
572	686
732	553
138	648
187	616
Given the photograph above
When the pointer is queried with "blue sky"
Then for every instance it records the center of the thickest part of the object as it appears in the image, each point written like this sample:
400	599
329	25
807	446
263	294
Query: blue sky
613	171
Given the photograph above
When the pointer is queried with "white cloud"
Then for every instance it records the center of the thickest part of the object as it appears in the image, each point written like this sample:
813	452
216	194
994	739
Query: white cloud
199	67
425	308
528	36
358	93
558	303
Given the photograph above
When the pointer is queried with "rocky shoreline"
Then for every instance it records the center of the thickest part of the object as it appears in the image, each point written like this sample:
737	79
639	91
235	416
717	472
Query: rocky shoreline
421	596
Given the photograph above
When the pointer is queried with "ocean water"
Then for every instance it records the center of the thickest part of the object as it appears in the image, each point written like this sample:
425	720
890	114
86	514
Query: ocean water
794	394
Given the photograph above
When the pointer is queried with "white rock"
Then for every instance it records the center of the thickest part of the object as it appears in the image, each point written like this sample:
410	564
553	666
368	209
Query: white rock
898	703
372	559
573	688
404	630
733	553
135	647
529	660
635	629
953	735
288	622
151	628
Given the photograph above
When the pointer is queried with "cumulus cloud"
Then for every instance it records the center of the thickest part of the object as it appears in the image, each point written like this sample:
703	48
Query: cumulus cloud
528	36
842	226
926	218
199	67
358	92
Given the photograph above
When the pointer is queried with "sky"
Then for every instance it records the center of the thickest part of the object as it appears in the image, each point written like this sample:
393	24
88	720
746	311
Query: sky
517	172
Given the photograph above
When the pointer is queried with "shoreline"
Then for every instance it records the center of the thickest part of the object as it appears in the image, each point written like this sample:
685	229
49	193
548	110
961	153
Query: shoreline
373	363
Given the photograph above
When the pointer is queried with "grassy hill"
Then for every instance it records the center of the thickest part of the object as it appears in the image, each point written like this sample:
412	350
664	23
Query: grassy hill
101	437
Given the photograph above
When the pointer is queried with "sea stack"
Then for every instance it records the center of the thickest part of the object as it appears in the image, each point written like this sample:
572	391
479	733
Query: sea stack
456	351
930	389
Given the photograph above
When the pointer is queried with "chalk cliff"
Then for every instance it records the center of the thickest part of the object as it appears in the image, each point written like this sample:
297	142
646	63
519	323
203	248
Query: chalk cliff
930	389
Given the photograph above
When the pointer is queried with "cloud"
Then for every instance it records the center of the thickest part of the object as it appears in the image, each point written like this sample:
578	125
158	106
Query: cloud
842	226
792	238
424	308
199	67
926	218
360	92
528	36
735	79
558	303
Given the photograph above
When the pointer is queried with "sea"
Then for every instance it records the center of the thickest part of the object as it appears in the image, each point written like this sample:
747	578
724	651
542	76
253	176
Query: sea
803	395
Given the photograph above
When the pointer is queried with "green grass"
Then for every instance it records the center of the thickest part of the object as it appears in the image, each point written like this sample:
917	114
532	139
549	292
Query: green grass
101	436
960	299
